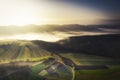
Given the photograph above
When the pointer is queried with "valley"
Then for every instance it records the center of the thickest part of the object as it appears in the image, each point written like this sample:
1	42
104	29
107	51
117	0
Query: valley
39	60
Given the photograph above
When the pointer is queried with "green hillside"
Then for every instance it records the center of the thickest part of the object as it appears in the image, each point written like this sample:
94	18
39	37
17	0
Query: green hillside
84	59
21	51
37	60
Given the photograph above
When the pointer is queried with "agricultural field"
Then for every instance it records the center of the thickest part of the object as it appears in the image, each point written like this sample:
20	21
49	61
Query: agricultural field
47	69
21	51
112	73
84	59
24	60
53	69
105	74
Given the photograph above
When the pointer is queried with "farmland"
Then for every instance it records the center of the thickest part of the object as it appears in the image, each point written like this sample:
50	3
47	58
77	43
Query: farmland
21	51
39	60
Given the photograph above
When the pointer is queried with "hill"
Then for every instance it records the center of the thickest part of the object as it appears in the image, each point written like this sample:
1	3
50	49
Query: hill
101	45
73	58
21	51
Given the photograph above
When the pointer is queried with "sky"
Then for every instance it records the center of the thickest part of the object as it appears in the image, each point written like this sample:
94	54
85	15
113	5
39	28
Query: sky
109	7
23	12
53	20
52	33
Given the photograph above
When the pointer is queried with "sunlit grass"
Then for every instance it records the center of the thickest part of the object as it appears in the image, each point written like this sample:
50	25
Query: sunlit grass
26	60
21	51
84	59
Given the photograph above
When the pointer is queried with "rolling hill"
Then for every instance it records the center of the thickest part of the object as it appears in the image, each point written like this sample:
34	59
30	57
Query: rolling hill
107	45
21	51
101	45
66	59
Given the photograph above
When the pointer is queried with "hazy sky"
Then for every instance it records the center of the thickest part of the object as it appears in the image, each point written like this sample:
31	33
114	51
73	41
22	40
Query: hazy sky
22	12
15	14
53	32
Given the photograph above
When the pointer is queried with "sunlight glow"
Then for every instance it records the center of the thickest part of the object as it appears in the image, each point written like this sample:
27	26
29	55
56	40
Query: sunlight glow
20	20
24	12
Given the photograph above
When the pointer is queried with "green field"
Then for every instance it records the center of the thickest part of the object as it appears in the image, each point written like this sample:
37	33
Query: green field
107	74
84	59
49	68
112	73
44	64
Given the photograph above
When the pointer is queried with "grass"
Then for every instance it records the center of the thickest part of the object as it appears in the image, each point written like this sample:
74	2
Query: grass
106	74
20	72
36	69
83	59
21	51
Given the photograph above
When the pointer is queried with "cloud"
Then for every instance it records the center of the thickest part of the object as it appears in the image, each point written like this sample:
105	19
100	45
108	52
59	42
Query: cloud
111	21
54	32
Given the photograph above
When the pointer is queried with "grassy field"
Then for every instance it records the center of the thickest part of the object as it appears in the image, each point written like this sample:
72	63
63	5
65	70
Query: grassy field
105	74
83	59
112	73
49	68
52	66
53	70
22	74
21	51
